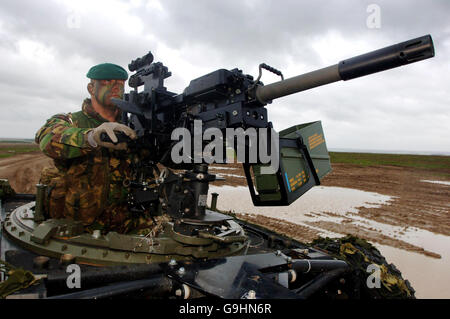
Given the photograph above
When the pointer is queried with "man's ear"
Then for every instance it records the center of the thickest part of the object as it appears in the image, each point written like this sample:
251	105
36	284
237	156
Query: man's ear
90	88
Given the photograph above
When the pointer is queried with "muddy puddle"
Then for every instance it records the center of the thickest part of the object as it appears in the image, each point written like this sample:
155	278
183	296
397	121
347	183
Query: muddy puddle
422	256
436	182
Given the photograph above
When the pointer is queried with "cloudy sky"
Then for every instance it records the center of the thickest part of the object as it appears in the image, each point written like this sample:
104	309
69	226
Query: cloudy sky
46	48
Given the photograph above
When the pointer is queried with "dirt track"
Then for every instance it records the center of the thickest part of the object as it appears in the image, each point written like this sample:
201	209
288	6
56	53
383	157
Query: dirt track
23	170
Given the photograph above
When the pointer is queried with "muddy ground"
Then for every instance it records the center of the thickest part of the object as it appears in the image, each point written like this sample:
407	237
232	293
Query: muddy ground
414	204
23	170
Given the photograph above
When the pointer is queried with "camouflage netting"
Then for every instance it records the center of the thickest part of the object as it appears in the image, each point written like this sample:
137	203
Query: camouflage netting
18	279
6	189
359	254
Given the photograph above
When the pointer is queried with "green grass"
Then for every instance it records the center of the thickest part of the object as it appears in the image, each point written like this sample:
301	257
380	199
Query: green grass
11	149
15	141
440	163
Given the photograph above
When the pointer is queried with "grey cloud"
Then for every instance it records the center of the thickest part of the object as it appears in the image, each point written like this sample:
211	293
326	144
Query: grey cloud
282	29
226	34
98	37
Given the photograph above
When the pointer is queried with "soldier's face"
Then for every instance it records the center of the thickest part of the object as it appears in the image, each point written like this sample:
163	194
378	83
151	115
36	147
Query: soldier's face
105	90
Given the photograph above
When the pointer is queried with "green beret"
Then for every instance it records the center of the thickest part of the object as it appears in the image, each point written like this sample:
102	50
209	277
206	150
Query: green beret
107	71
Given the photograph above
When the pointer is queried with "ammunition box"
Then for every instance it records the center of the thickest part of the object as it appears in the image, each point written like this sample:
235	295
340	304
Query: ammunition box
304	161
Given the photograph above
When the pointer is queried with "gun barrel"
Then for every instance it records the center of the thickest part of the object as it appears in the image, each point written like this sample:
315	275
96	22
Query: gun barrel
393	56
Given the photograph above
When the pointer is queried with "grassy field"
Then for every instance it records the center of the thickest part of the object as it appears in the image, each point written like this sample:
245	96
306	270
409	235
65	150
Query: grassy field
439	164
8	149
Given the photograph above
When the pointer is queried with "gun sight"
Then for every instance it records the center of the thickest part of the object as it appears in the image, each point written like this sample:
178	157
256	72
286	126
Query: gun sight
141	62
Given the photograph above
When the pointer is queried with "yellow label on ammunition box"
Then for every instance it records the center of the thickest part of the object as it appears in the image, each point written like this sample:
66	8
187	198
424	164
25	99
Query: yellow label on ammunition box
298	181
315	140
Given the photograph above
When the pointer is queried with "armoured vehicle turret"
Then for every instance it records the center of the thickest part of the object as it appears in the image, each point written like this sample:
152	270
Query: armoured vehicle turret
195	250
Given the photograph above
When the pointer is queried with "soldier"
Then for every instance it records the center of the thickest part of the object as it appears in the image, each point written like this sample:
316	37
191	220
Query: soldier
90	180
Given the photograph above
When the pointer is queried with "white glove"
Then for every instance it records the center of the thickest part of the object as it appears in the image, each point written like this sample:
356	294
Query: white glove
109	128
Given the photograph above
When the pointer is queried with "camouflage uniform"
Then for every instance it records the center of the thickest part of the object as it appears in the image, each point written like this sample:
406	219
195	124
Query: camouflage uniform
89	182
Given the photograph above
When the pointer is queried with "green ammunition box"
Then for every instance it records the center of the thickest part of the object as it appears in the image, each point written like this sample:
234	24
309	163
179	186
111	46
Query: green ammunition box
304	161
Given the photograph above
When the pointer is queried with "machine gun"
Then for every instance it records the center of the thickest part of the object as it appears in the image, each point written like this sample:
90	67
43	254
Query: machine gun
226	99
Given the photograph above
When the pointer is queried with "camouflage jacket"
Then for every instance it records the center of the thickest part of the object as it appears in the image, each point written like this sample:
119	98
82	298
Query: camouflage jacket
90	182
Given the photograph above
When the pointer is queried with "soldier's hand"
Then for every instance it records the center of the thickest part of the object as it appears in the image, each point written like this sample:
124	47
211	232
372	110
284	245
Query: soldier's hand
109	128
